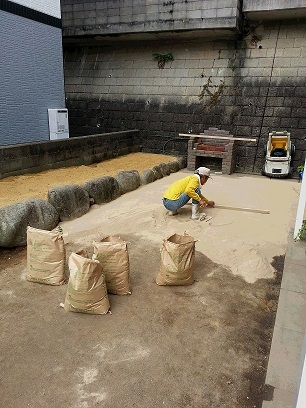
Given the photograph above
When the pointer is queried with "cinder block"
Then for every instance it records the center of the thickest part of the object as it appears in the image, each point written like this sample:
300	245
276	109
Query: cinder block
298	42
226	12
101	5
222	63
282	62
194	14
175	81
78	7
209	13
289	72
302	72
186	82
113	19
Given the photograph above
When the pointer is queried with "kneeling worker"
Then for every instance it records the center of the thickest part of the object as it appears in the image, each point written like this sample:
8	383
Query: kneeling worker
180	192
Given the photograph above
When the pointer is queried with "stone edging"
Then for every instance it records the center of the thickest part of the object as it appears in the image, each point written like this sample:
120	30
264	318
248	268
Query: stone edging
68	202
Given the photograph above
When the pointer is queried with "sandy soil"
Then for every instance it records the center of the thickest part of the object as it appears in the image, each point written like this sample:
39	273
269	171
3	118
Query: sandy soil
201	346
18	188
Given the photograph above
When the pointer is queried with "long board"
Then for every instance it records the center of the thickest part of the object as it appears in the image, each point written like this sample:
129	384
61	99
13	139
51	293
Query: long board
228	207
245	139
255	210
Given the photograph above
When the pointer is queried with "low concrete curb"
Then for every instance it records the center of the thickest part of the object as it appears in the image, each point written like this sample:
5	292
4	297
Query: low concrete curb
288	348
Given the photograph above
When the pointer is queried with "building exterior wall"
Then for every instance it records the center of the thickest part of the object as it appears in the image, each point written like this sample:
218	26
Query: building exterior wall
274	9
50	7
272	5
244	87
32	73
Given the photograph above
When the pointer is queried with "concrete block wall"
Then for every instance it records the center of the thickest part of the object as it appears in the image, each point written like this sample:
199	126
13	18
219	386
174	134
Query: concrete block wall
90	17
39	156
120	86
272	92
248	89
272	5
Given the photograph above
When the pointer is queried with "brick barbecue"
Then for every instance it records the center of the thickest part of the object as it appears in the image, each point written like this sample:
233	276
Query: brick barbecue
217	154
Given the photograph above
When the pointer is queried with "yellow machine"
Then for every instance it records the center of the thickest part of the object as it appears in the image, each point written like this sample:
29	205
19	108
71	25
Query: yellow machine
279	152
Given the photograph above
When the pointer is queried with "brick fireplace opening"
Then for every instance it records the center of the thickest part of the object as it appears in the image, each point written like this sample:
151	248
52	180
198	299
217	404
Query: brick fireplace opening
213	163
213	149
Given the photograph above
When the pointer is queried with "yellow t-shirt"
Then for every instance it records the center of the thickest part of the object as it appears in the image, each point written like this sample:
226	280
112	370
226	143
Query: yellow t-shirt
188	185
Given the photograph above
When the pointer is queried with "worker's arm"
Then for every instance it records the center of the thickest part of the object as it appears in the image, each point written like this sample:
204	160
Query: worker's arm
190	191
204	202
192	185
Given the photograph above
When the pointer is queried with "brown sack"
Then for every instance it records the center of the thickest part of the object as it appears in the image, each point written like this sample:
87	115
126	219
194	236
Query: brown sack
177	261
45	257
112	253
86	291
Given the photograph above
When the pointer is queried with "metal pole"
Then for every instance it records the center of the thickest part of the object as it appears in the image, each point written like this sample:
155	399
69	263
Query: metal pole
301	205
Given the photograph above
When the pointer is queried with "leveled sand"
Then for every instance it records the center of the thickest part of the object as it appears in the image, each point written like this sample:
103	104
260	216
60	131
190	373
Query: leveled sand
204	345
244	242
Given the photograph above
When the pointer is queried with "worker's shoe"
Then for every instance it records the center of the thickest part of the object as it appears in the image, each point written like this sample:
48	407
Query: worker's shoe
172	212
195	215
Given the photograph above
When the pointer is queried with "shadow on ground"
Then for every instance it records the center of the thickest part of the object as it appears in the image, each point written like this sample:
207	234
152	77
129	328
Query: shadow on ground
205	345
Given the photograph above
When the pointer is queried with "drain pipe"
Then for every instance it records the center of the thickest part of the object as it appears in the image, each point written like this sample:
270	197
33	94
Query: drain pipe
265	104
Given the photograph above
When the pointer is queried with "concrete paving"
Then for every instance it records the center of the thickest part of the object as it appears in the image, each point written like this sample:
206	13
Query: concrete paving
287	348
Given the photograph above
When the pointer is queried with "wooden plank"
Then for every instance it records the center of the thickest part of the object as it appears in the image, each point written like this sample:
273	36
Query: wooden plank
255	210
227	207
245	139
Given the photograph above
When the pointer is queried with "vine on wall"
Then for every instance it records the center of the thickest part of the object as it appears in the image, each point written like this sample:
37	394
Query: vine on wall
214	92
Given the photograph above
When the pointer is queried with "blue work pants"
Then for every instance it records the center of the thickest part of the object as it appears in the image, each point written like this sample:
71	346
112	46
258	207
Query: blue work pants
173	205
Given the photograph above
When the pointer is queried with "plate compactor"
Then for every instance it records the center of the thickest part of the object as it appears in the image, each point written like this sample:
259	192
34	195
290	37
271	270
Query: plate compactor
279	152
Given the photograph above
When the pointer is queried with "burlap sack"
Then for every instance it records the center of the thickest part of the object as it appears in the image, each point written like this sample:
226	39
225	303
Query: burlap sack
45	256
112	253
86	291
177	261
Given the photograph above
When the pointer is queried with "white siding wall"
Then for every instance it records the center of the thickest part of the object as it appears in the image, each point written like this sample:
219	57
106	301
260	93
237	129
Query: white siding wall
51	7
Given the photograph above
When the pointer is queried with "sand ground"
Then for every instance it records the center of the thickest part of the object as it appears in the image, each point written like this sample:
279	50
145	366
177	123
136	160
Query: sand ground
205	345
17	188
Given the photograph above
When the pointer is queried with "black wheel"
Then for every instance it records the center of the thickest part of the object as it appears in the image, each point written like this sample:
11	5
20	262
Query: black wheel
265	150
292	150
263	173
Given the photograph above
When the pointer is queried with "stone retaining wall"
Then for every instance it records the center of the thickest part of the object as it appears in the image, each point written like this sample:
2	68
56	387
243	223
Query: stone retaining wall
72	201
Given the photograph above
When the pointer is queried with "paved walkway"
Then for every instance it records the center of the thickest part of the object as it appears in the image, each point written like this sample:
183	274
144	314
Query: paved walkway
288	343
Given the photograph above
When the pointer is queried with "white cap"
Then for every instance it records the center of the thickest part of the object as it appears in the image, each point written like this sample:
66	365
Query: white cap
203	171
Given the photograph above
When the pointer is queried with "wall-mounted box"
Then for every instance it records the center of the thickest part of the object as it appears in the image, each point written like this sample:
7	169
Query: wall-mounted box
58	124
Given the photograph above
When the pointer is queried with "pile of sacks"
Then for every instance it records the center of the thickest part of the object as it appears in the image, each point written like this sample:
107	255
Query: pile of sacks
90	279
106	272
